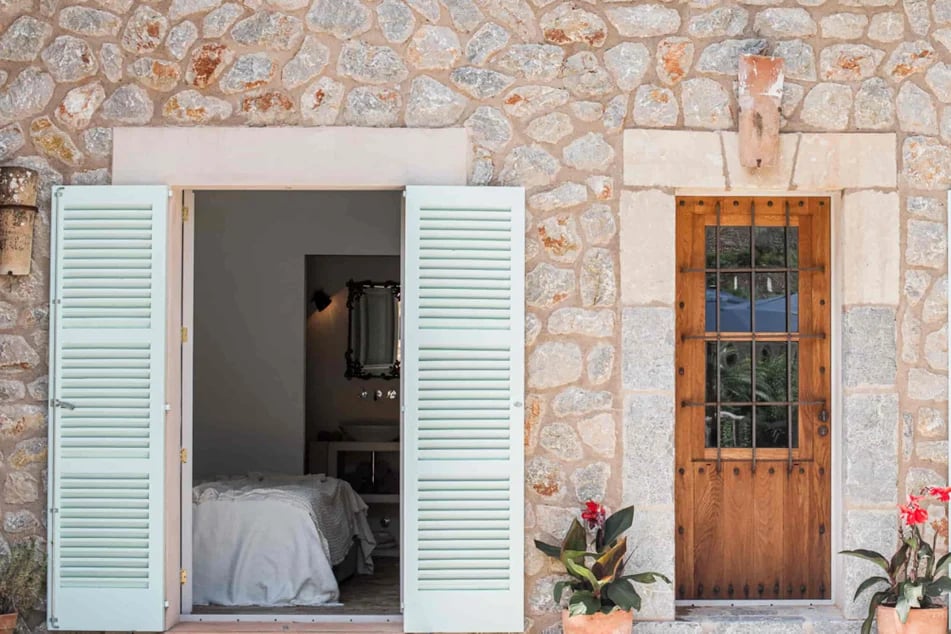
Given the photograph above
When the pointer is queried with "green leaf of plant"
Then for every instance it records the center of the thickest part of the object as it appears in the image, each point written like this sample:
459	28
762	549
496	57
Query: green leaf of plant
868	583
605	568
583	602
624	595
576	556
548	549
559	590
647	577
938	587
873	603
869	555
902	608
580	571
575	538
898	560
619	522
910	597
942	563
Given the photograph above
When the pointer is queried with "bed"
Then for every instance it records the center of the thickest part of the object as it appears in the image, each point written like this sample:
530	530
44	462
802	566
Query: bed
275	540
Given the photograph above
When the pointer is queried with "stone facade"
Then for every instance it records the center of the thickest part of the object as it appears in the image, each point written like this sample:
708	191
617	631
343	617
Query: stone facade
545	89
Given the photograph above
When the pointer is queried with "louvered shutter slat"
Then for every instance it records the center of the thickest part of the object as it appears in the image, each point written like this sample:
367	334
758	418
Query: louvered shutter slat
462	372
107	362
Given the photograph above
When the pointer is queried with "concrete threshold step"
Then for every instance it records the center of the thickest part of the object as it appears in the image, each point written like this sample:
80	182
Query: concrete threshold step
754	620
224	627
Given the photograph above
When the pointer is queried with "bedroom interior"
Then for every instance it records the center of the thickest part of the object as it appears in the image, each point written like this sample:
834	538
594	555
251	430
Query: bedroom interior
295	499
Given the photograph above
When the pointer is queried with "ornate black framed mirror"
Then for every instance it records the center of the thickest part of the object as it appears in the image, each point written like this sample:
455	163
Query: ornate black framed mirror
373	340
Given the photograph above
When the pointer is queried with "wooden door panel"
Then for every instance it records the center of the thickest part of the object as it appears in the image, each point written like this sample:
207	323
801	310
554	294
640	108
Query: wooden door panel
753	522
738	557
708	555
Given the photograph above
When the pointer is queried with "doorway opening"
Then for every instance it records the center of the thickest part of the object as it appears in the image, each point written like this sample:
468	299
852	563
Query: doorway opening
291	486
753	443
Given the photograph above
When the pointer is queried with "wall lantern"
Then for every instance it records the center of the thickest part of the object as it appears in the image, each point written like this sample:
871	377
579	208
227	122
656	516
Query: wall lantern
17	215
320	300
760	97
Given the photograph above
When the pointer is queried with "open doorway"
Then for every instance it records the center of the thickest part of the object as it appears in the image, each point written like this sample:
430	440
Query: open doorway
292	488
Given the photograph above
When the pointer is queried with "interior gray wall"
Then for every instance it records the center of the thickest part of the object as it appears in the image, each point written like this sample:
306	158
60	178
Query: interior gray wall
251	311
333	399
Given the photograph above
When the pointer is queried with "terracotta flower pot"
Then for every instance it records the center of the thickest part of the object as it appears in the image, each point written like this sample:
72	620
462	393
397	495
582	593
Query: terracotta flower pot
8	623
617	622
920	621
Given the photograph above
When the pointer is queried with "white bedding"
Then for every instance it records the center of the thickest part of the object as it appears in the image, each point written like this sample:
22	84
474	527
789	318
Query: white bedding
272	540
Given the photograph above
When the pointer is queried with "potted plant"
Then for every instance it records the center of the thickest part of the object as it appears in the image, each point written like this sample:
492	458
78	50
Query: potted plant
22	575
603	599
914	579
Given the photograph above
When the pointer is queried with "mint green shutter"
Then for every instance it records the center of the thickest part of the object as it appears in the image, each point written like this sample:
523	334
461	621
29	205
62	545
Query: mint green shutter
107	408
463	387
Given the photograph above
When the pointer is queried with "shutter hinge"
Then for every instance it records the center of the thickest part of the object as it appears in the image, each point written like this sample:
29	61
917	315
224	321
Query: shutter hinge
183	576
183	454
184	214
184	334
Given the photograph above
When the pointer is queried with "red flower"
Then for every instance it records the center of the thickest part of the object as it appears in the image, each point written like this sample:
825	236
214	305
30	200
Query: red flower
912	513
942	493
593	514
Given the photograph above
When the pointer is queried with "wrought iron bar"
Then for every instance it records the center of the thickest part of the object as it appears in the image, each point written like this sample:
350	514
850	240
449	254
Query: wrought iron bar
716	323
753	332
775	337
751	403
789	421
807	269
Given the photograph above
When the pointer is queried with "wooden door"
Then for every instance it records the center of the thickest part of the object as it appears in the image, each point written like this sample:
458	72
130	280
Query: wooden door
753	441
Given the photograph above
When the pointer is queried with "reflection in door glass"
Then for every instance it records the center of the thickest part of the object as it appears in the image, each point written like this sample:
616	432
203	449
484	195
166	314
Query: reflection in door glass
752	286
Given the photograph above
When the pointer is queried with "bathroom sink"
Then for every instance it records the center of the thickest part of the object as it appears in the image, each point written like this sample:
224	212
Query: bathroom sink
364	431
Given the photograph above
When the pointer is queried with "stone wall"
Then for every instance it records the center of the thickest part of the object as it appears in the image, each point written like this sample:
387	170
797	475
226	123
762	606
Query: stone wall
545	88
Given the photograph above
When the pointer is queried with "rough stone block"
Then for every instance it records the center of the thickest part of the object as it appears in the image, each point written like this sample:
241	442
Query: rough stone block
648	437
647	341
845	161
648	250
871	449
673	158
865	528
871	243
775	177
653	534
869	348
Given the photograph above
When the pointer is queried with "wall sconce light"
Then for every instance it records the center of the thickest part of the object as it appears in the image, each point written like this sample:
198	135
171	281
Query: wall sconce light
320	300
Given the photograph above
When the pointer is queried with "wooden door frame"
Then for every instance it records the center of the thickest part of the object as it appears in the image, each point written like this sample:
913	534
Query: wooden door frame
293	158
836	410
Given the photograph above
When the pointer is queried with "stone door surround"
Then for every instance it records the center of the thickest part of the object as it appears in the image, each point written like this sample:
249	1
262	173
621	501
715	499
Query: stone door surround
859	171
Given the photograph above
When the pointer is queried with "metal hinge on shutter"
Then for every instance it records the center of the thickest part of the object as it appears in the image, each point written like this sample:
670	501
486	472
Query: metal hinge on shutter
184	214
184	335
183	454
183	576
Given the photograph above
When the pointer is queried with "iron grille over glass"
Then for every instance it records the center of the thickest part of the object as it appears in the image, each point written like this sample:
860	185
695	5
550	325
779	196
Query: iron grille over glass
752	335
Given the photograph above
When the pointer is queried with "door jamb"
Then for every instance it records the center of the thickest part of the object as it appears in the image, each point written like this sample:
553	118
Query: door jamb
187	387
182	339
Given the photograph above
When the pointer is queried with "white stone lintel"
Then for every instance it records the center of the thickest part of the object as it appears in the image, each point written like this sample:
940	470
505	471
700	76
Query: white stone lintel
290	158
709	161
